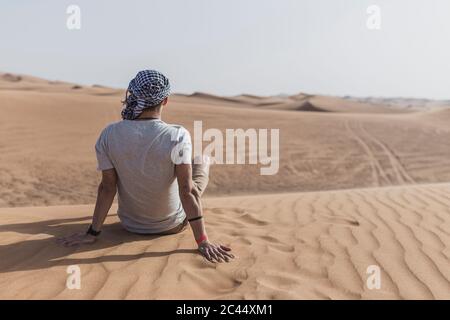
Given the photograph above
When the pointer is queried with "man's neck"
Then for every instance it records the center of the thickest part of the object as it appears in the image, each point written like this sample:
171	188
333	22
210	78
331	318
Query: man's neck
150	115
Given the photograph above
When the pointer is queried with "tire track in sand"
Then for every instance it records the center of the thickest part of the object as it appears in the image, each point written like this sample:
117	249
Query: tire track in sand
378	172
372	147
399	170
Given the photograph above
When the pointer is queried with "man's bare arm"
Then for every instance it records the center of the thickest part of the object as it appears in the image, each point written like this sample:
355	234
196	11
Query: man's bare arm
105	197
190	199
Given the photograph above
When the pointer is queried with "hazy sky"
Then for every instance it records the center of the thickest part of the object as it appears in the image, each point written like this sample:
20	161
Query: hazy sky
235	46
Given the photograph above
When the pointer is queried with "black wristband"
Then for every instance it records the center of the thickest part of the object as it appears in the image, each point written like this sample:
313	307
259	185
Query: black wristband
196	218
92	232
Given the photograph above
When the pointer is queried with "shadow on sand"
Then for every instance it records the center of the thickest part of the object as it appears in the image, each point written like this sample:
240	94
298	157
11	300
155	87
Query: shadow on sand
45	253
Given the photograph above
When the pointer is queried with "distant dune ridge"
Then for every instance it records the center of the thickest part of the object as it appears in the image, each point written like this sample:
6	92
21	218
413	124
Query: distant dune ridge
362	181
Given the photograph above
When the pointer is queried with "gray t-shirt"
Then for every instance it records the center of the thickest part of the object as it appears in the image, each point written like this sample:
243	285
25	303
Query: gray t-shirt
142	153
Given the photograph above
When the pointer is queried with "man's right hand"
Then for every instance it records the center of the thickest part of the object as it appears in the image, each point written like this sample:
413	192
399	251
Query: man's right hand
76	239
215	253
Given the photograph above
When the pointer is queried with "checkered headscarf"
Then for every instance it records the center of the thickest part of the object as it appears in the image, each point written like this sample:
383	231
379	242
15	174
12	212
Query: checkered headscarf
149	88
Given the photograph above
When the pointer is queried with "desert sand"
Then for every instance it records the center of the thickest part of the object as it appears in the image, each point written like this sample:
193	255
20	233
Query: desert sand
314	245
361	182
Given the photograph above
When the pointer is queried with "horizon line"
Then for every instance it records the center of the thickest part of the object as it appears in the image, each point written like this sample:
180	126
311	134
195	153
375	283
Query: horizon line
281	94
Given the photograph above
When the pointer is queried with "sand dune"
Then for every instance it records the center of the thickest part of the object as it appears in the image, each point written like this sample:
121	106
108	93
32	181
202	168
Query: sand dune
14	82
294	239
47	156
290	246
299	102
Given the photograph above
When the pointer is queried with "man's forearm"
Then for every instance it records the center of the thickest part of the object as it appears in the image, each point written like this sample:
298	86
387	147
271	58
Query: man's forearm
105	198
193	208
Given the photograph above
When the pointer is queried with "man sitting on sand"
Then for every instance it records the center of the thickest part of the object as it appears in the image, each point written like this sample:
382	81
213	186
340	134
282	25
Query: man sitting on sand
149	163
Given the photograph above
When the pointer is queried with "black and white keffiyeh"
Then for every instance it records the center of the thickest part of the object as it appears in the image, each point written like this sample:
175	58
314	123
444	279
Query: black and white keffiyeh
149	88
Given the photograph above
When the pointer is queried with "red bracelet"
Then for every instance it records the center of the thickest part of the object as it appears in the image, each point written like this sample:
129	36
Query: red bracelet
202	238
